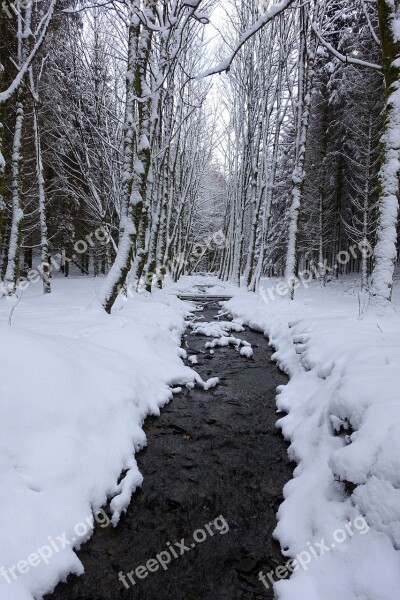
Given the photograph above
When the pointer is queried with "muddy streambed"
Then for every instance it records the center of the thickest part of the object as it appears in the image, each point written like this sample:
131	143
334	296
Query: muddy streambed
213	458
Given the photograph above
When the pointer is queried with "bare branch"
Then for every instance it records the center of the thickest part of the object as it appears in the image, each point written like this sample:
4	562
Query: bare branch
265	18
343	57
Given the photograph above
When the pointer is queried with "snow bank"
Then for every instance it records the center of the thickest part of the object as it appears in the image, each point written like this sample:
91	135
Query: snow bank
216	328
76	386
343	424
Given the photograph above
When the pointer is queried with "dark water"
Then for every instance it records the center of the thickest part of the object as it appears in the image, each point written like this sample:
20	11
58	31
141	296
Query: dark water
210	454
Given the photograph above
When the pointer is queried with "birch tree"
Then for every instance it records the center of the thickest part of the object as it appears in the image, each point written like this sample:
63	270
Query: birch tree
24	43
144	22
44	242
29	39
307	50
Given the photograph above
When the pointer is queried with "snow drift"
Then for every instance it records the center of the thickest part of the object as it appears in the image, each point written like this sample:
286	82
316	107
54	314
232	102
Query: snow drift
76	387
343	424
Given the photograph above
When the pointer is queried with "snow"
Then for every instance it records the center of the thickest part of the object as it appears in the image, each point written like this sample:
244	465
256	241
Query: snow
220	330
217	328
223	341
72	423
246	351
39	37
77	385
385	251
209	384
265	18
344	377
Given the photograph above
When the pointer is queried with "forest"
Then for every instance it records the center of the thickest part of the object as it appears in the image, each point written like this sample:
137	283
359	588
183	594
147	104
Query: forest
112	123
199	299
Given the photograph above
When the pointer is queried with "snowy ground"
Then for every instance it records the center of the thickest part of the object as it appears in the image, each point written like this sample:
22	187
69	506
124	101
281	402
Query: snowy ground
78	383
76	386
340	520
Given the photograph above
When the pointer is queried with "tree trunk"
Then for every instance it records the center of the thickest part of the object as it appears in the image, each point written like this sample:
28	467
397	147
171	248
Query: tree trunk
306	64
385	252
137	208
12	270
44	244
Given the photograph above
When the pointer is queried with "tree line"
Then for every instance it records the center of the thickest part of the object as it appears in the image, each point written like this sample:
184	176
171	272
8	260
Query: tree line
111	121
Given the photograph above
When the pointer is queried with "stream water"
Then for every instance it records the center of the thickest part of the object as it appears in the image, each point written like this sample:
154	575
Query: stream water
212	458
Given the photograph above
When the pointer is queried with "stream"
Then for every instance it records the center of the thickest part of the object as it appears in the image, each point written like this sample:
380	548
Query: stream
213	457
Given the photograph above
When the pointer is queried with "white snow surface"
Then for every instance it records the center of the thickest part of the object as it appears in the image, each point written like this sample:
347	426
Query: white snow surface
216	328
343	425
246	351
76	386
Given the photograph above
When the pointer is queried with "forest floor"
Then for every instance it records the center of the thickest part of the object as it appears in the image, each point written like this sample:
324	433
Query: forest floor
78	385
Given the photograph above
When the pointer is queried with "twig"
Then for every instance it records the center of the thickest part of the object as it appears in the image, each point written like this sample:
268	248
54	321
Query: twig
13	308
